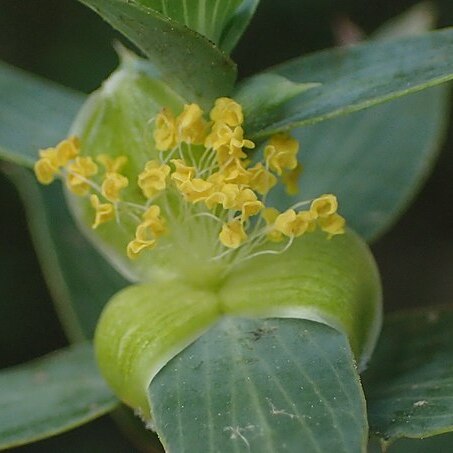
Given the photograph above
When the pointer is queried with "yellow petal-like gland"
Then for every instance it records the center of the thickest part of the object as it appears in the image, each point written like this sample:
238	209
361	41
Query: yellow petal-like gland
45	171
104	211
153	179
227	111
261	180
232	234
112	186
191	125
79	172
333	224
324	206
294	224
281	153
112	164
290	180
165	132
182	173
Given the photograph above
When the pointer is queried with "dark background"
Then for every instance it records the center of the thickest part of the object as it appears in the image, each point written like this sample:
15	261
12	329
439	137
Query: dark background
64	41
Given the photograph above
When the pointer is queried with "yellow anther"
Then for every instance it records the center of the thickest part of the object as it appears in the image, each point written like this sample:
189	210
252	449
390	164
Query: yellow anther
333	224
79	173
196	190
153	222
225	195
247	202
227	111
182	173
112	186
191	125
136	246
324	206
281	153
270	216
165	132
45	171
153	179
112	164
234	172
294	225
261	180
291	180
104	211
233	234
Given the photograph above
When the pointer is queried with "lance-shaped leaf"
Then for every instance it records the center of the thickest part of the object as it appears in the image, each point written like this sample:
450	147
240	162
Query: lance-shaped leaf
262	386
186	60
34	113
51	395
409	384
358	77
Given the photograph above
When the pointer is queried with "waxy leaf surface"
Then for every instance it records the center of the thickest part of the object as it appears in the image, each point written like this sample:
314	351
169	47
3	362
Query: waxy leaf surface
261	386
51	395
409	384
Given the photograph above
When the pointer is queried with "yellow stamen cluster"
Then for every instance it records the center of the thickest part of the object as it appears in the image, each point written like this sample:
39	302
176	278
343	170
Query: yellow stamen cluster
203	170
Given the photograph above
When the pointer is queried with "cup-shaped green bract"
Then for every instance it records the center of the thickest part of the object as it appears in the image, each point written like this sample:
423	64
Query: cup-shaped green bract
330	281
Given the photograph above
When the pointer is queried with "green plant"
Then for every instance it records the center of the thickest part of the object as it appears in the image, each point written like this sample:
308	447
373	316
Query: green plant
237	355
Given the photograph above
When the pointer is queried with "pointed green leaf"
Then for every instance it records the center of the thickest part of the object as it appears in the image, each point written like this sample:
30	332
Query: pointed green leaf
33	114
80	280
261	97
238	24
51	395
409	384
361	76
261	386
187	61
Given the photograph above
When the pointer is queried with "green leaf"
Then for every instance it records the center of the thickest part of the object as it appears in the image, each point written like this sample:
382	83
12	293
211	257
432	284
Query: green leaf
262	95
80	280
33	114
358	77
51	395
374	161
261	386
187	61
409	385
238	24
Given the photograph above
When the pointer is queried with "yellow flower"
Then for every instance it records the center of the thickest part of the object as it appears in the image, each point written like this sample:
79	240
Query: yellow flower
104	211
153	179
165	132
182	173
79	173
112	164
112	186
261	180
324	206
228	112
291	180
191	126
232	234
281	153
294	225
333	224
270	216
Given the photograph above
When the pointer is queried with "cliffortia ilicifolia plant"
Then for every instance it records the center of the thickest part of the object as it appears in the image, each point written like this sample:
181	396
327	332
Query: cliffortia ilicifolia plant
250	305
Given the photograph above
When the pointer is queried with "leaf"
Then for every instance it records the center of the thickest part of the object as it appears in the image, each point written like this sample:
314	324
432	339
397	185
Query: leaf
187	61
262	95
33	114
361	76
261	386
374	161
80	280
51	395
409	385
238	24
